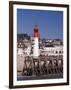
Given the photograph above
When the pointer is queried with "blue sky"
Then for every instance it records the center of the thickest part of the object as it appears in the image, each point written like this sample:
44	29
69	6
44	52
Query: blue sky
50	23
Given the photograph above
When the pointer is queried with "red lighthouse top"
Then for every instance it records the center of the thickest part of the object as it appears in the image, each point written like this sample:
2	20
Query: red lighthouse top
36	31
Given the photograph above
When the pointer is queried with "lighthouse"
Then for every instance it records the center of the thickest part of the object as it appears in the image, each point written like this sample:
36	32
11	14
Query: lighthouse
35	42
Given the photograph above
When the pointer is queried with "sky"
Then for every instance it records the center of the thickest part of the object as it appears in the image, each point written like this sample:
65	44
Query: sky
50	23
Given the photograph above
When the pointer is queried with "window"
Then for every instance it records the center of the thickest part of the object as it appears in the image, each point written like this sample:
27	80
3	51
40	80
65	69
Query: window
59	51
56	51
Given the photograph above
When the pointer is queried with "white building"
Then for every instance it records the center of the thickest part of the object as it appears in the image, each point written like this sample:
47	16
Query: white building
57	50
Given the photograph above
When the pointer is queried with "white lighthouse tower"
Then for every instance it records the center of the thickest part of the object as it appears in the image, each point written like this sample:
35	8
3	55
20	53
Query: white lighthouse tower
36	42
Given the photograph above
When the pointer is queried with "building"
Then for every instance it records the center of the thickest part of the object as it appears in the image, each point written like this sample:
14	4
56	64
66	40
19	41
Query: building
52	50
36	52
